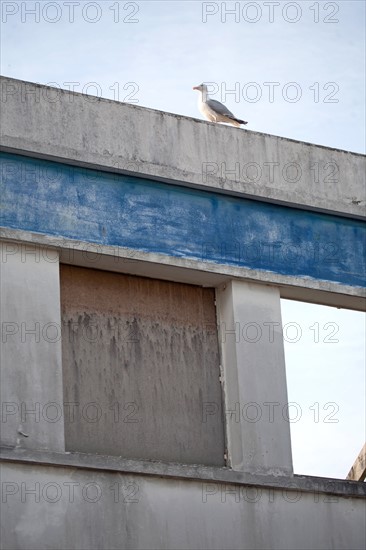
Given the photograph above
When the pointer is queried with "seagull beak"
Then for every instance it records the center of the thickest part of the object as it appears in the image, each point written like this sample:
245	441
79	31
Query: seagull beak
195	88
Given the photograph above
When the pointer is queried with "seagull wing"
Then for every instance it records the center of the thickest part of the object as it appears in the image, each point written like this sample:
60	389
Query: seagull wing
219	108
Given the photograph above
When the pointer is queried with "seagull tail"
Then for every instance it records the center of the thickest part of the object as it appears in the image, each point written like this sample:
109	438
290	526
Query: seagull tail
236	121
240	121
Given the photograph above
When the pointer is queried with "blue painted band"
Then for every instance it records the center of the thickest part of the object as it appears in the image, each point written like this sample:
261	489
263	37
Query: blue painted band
112	209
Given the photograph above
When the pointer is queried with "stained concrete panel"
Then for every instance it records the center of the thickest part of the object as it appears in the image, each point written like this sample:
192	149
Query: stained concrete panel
140	360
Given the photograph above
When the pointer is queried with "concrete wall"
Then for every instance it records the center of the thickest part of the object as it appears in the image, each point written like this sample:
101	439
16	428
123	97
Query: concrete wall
106	221
84	131
31	370
69	126
47	507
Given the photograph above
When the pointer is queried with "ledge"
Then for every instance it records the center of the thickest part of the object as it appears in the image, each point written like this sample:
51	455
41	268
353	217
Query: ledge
307	484
73	128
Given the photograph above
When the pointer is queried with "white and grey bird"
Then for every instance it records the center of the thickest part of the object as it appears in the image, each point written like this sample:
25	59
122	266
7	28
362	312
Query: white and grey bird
214	110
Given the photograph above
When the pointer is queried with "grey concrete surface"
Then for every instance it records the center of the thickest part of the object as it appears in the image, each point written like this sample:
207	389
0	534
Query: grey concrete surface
31	370
58	507
78	129
195	472
254	374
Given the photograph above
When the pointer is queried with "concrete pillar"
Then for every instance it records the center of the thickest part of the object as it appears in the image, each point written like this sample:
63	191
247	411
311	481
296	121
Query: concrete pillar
31	368
254	378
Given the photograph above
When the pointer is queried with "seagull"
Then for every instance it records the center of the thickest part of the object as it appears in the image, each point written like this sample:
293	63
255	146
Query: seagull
214	110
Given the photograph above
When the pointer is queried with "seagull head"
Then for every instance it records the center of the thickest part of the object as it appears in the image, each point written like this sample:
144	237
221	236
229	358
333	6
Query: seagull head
201	88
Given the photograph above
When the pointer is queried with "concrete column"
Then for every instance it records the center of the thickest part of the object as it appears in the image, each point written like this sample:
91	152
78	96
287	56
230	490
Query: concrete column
254	378
31	368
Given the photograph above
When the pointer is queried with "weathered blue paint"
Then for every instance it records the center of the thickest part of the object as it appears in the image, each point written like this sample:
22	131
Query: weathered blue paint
112	209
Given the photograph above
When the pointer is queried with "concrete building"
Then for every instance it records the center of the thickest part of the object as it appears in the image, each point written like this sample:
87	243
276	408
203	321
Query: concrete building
144	255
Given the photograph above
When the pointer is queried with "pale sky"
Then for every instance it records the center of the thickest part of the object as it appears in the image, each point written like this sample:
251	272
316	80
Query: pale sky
310	55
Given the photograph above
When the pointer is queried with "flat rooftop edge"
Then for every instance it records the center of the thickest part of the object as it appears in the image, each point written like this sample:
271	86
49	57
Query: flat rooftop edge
168	113
101	133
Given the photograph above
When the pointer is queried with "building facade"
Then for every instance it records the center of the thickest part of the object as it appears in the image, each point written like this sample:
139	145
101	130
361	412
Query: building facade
143	258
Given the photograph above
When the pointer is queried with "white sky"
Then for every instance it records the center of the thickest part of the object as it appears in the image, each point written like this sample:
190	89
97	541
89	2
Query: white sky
156	60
